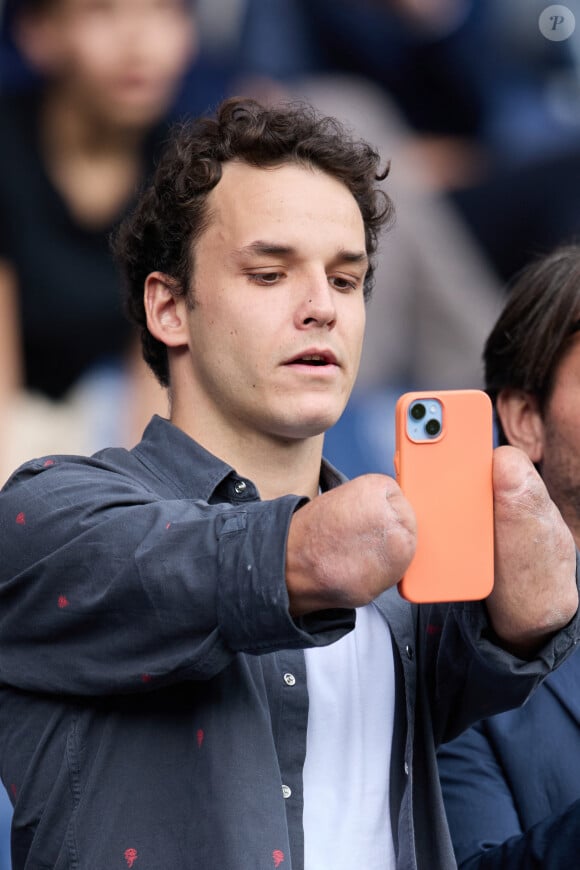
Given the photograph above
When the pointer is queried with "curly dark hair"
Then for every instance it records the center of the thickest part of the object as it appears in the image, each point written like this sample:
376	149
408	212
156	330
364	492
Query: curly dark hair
532	333
172	212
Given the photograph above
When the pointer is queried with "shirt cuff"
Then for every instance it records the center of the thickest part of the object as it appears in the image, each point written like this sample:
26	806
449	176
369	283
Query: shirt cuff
253	606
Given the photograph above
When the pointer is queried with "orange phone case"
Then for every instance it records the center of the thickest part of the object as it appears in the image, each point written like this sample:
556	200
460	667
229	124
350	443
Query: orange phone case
448	481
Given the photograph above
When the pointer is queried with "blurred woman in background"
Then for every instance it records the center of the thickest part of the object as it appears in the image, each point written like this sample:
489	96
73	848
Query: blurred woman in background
76	145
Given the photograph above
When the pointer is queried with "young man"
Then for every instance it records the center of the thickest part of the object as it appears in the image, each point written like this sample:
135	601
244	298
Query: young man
511	783
183	684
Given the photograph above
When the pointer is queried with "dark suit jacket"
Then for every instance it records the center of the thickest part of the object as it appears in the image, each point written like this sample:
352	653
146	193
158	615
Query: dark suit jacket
512	782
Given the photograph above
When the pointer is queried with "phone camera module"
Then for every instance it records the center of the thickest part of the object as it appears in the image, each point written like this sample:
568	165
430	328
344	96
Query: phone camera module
432	427
424	419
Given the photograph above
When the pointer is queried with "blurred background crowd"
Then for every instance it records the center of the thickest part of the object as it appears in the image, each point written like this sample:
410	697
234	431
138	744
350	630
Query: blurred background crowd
475	105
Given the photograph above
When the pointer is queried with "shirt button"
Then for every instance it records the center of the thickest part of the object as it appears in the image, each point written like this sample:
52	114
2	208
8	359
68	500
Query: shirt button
286	791
240	487
409	651
290	679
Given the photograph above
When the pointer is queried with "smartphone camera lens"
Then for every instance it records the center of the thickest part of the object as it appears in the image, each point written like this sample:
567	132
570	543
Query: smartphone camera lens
432	427
418	411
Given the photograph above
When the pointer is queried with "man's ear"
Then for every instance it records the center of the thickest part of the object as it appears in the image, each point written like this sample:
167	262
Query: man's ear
166	310
520	417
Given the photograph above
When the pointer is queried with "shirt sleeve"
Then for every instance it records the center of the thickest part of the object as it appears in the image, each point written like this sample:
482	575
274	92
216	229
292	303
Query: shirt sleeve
488	835
106	587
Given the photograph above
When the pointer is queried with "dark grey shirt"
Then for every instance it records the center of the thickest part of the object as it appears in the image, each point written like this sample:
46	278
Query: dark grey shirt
146	716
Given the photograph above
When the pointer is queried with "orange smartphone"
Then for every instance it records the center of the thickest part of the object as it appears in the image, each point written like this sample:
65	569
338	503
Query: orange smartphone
443	463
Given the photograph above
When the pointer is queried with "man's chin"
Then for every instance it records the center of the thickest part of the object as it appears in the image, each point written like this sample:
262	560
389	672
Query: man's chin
308	428
304	417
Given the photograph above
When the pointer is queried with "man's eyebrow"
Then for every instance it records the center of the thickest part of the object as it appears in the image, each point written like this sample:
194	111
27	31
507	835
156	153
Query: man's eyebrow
274	249
352	257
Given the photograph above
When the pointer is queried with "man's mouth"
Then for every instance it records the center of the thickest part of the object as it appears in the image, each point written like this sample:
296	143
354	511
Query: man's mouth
314	359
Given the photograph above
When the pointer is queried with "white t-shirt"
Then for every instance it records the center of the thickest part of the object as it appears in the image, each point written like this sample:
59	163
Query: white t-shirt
351	688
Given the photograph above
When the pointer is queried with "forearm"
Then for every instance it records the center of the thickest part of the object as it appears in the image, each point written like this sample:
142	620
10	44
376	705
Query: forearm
107	588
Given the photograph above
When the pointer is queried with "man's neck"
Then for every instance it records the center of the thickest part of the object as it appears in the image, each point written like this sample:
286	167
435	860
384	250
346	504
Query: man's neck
281	468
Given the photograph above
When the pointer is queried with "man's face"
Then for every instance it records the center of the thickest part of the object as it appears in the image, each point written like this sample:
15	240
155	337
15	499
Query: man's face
120	59
560	462
276	332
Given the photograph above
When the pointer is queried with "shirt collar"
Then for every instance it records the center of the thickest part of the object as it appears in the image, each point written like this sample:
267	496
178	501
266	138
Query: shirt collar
172	455
192	470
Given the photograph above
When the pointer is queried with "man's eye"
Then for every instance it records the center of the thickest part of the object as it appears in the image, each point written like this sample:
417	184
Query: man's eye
264	277
343	283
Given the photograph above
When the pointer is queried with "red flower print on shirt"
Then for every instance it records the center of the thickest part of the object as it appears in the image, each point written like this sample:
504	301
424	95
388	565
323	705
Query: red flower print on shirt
63	601
130	857
277	857
199	736
20	518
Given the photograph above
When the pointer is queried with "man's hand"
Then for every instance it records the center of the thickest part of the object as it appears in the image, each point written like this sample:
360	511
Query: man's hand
535	557
349	544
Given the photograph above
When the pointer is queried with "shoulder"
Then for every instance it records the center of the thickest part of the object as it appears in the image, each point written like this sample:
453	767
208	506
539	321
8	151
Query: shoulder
60	476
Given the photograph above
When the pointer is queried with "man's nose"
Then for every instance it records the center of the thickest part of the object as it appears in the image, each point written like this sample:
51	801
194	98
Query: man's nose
317	307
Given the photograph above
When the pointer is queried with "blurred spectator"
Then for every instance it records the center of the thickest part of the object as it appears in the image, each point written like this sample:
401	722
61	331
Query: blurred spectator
101	78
